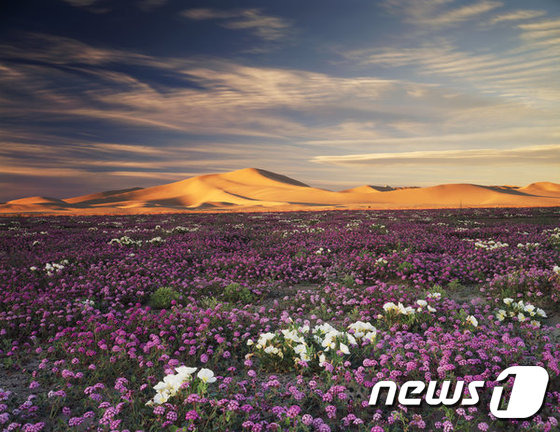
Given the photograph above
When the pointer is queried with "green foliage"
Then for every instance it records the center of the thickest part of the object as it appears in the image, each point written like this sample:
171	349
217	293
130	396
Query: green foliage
162	298
323	311
209	302
437	289
379	229
412	320
454	285
405	267
355	314
348	280
235	292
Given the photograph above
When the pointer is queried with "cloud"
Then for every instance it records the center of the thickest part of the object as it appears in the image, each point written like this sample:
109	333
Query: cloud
517	15
58	50
266	27
542	155
235	101
435	13
525	73
541	25
76	106
464	13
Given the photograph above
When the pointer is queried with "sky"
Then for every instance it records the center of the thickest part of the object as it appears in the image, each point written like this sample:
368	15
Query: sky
109	94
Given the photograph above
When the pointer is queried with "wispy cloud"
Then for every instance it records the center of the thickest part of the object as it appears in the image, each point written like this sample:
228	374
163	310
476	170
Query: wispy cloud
541	25
517	73
437	13
542	155
59	96
464	13
264	26
517	15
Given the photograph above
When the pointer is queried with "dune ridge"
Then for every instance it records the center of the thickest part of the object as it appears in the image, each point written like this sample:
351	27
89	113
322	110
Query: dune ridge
253	189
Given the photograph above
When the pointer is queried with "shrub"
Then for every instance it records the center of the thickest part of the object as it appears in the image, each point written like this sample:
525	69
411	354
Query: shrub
405	267
162	297
209	302
348	280
454	285
235	292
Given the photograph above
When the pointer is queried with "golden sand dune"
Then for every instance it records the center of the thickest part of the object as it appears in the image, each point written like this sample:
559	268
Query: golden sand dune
37	200
254	189
362	190
546	189
97	197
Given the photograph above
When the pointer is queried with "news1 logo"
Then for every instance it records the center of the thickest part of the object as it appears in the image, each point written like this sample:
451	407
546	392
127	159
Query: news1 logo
527	393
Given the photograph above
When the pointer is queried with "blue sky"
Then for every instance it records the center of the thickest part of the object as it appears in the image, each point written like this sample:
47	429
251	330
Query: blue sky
107	94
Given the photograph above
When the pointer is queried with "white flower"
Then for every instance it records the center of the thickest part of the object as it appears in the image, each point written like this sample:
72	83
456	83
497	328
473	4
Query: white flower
265	337
206	375
271	350
159	398
329	341
250	342
292	336
323	328
344	348
405	310
501	315
556	269
472	320
541	313
530	309
521	317
390	306
422	303
360	329
185	372
435	295
508	301
431	309
169	385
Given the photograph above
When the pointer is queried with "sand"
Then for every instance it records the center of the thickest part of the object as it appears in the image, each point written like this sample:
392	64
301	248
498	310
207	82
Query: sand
254	189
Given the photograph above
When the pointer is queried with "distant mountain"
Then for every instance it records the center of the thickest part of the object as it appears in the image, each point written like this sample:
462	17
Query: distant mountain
253	189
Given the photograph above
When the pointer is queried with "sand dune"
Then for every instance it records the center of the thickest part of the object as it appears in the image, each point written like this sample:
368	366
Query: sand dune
546	189
38	200
362	190
254	189
98	197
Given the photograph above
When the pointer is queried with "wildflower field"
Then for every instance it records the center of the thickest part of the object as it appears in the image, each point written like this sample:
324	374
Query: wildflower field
273	321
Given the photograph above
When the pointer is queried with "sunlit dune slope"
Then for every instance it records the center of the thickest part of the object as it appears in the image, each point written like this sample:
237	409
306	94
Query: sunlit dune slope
37	200
101	197
243	187
546	189
253	189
